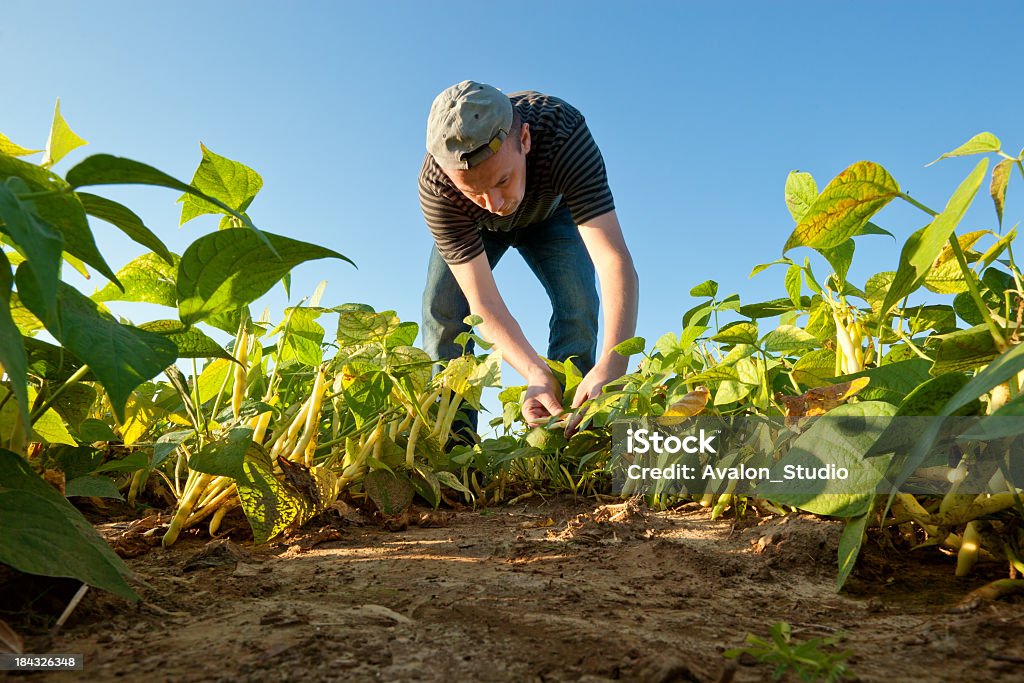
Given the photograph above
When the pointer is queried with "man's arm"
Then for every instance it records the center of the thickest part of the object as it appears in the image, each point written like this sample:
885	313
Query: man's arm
543	395
620	291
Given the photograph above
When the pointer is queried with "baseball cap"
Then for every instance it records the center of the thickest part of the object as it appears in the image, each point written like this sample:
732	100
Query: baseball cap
467	124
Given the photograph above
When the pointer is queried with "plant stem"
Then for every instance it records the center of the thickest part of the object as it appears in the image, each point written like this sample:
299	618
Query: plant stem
199	406
972	286
968	274
73	379
906	197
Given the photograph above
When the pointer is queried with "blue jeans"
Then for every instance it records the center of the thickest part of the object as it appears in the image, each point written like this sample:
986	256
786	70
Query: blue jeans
554	251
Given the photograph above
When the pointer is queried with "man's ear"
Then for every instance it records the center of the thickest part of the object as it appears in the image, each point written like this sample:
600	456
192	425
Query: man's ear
524	137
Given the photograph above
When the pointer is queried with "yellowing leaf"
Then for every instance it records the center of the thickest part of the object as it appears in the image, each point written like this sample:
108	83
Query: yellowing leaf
139	415
13	149
993	252
61	141
844	206
966	242
945	276
1000	178
689	405
51	428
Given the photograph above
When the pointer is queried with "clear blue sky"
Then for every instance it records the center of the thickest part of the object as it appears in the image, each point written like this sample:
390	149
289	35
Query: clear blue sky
701	110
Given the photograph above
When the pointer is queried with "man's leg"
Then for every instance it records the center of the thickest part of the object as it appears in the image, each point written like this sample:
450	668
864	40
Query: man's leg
445	307
555	252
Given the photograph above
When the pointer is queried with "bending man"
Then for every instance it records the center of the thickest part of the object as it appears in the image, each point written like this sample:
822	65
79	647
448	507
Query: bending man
523	171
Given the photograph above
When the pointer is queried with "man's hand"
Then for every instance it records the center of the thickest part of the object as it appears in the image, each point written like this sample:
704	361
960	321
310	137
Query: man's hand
590	387
542	400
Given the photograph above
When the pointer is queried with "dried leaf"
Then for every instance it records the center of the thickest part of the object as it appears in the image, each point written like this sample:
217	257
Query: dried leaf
821	400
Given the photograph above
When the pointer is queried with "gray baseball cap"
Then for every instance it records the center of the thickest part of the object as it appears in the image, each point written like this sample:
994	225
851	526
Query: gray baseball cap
467	124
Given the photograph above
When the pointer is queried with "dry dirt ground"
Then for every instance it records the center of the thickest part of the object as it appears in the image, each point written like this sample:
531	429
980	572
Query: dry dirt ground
551	590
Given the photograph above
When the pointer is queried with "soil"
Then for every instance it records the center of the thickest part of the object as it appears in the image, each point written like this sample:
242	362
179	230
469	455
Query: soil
553	590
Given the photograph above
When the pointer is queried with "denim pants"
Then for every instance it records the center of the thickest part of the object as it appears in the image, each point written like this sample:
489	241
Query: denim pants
554	251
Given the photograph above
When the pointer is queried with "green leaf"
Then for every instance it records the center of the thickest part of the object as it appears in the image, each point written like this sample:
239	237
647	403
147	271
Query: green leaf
362	326
1004	367
61	141
771	309
962	350
411	362
224	270
707	288
940	318
451	481
982	143
740	332
92	486
92	429
928	398
268	504
715	374
788	338
925	245
232	183
816	368
367	395
305	336
840	258
844	206
122	357
104	169
892	382
391	493
630	347
60	208
49	427
127	221
403	335
11	149
820	323
191	342
761	267
35	240
872	229
12	349
211	379
801	191
147	279
43	533
843	443
698	316
794	284
730	303
997	188
812	281
849	547
1003	423
427	485
225	456
877	286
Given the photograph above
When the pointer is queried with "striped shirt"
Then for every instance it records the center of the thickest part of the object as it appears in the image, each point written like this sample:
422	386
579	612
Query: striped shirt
564	166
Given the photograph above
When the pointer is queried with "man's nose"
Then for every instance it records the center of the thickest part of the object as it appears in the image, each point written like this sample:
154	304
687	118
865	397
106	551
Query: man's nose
494	201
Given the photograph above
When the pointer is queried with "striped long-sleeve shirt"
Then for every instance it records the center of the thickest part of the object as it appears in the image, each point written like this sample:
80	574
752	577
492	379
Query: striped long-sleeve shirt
564	166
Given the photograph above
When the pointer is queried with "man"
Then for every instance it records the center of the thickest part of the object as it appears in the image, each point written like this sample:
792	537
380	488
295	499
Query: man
522	170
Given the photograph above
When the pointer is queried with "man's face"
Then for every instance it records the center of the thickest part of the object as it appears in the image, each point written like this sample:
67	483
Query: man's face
499	183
